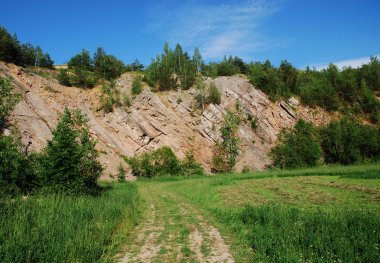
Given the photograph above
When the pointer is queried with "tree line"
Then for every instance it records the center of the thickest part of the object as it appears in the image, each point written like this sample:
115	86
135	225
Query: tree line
345	141
22	54
85	71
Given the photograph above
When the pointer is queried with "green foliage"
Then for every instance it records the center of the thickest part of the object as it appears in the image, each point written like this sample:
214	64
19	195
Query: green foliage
297	148
163	161
12	165
64	78
197	60
319	92
135	66
252	120
68	228
173	69
136	86
110	97
214	95
226	151
121	174
8	100
82	61
347	142
22	54
69	162
189	166
227	67
107	66
270	80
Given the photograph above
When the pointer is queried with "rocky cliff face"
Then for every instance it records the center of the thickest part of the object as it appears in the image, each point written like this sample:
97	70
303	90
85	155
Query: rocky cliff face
157	119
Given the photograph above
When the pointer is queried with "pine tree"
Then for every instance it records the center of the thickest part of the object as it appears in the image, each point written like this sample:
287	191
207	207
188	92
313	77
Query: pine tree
69	163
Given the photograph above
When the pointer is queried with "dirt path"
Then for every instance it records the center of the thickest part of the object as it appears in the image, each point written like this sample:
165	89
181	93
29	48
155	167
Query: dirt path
173	231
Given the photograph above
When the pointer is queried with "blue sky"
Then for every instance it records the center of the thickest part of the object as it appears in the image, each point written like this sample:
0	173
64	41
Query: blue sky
305	32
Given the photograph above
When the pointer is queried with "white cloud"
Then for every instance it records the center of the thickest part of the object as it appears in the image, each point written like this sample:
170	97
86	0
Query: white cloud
217	30
354	63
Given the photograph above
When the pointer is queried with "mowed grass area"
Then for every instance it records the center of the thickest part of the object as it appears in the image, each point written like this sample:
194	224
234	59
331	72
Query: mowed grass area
326	214
68	229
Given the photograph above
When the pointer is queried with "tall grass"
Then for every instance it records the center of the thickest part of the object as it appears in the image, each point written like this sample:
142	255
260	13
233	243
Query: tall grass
283	234
67	229
347	230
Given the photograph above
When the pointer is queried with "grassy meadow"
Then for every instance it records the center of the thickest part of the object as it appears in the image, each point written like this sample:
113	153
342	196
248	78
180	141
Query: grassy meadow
68	229
325	214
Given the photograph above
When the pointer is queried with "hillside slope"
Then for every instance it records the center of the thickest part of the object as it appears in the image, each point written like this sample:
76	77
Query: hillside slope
156	119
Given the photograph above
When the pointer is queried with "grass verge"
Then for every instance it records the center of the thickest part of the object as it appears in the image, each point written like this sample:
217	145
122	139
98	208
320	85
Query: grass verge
68	229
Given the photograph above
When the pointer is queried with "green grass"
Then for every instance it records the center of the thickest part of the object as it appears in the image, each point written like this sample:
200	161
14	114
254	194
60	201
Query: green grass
324	214
68	229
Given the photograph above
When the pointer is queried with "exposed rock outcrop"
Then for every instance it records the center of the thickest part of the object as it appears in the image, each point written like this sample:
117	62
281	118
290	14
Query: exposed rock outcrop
157	119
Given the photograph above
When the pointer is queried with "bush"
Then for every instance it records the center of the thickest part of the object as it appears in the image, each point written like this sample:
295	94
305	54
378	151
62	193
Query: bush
136	86
226	151
214	95
121	174
8	100
163	161
11	167
297	148
158	162
110	97
189	166
69	162
64	78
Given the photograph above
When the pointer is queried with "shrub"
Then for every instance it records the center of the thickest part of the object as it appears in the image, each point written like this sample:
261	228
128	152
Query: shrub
214	95
110	97
163	161
226	151
69	162
298	147
189	166
64	78
136	86
158	162
8	100
121	174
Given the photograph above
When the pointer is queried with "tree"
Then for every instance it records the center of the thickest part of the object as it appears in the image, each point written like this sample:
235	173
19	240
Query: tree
107	66
64	78
197	59
15	176
298	147
82	61
46	61
201	96
227	150
68	164
135	66
8	100
173	69
346	142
